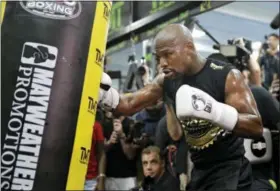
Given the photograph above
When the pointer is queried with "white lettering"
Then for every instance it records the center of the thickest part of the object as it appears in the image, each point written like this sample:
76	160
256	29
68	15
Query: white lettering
10	155
26	70
30	139
36	114
29	149
5	185
17	94
42	100
38	129
30	4
49	6
14	124
27	161
40	5
15	109
60	9
38	89
5	171
22	184
11	147
25	82
25	173
10	138
68	11
42	76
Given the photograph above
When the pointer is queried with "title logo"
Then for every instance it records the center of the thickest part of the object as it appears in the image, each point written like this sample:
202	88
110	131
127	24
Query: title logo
85	154
91	105
28	116
99	57
61	10
106	12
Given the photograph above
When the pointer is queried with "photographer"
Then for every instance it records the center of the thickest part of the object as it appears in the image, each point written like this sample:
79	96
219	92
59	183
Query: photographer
121	154
250	68
269	62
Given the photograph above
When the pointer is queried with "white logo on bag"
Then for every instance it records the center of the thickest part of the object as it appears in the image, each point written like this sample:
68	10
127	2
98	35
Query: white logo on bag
62	10
28	116
39	54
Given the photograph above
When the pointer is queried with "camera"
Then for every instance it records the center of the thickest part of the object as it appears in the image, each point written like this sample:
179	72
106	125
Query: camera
236	52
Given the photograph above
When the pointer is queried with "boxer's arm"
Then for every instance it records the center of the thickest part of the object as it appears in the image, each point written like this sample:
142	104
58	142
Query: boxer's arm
239	96
132	103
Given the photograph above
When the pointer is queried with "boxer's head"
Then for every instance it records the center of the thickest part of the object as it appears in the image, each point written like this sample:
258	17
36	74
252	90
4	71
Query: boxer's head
174	50
153	162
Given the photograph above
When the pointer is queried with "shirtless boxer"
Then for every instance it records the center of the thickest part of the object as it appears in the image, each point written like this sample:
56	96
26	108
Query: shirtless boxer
207	100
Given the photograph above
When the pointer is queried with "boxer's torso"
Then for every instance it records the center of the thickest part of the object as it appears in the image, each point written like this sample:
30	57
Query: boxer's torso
208	143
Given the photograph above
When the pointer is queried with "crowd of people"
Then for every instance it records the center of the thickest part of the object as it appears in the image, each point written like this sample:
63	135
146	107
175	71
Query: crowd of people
196	109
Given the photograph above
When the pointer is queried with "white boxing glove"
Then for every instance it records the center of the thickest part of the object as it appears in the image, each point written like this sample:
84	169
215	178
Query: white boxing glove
108	97
193	102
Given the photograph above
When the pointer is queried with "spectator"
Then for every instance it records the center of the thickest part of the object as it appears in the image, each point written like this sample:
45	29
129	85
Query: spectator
156	177
96	167
121	168
150	117
270	61
179	163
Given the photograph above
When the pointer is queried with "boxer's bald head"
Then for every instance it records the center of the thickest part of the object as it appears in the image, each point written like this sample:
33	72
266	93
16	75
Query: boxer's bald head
173	33
174	49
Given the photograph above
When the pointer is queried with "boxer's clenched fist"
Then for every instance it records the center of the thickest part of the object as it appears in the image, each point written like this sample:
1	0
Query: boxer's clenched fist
108	97
193	102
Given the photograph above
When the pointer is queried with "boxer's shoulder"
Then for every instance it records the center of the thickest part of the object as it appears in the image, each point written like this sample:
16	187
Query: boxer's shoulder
219	66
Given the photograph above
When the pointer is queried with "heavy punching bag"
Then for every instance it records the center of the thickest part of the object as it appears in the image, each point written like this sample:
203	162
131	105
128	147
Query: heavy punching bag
52	60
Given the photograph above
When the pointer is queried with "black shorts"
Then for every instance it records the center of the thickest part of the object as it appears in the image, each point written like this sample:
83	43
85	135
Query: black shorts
230	175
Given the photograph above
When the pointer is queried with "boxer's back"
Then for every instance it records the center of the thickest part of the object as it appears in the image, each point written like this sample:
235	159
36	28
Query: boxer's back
208	143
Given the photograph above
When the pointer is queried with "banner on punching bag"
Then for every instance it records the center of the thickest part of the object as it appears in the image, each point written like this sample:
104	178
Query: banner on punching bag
52	61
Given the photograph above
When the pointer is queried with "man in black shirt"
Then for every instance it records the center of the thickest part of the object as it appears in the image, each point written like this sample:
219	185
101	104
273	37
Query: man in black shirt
156	177
177	163
121	159
212	102
270	61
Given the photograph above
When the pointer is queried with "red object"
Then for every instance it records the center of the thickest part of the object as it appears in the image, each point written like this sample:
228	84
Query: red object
97	136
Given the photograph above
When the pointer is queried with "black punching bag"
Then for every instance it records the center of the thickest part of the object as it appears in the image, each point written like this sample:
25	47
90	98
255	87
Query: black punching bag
52	60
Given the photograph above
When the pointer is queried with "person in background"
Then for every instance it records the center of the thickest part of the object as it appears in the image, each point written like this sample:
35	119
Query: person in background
95	177
269	62
177	164
121	168
150	116
156	177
